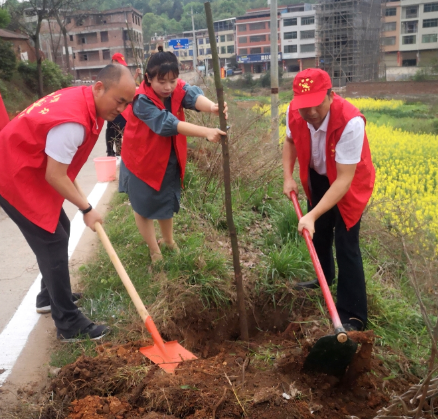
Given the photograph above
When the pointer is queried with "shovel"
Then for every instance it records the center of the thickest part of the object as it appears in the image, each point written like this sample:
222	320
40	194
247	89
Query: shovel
166	355
331	354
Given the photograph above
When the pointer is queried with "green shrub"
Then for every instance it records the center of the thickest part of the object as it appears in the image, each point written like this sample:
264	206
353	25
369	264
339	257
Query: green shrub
265	79
5	19
53	78
8	62
247	80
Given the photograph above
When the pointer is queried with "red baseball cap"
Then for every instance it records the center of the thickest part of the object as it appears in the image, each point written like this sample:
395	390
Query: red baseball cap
119	58
310	87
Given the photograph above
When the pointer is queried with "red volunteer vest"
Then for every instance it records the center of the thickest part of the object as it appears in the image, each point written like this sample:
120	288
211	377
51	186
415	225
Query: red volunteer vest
23	160
145	153
4	117
353	203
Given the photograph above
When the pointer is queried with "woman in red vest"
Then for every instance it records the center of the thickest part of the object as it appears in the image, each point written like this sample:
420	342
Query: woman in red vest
327	136
154	151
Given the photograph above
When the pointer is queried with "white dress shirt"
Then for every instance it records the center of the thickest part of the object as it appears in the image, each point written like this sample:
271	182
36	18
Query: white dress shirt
348	149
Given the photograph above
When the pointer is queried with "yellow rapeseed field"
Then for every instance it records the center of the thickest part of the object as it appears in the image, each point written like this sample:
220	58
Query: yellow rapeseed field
368	104
406	188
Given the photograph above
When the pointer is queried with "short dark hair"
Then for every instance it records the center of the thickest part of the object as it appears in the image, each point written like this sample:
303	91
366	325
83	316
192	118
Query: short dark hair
160	64
110	75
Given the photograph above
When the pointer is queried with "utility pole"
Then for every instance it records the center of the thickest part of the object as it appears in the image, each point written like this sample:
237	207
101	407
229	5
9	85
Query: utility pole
274	74
195	60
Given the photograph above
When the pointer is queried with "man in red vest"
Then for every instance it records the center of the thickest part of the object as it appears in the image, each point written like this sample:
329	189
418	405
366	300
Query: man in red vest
42	151
327	136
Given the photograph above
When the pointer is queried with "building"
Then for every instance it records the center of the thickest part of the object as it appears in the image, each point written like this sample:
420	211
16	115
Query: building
390	40
348	39
410	32
185	56
297	33
253	43
225	40
418	40
23	49
95	36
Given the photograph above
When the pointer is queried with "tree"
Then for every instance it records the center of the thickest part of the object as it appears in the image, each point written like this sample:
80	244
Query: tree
224	9
159	25
177	10
199	16
52	74
5	19
155	6
8	60
27	17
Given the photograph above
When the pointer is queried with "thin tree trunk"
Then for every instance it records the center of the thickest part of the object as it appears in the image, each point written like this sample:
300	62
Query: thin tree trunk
64	34
38	55
227	179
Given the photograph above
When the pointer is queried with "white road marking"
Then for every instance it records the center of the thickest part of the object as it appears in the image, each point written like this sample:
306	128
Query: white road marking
14	336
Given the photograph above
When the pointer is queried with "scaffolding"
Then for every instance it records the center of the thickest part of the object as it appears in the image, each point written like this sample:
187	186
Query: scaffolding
348	39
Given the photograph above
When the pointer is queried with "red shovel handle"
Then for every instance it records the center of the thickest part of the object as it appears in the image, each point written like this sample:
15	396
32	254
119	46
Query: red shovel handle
319	272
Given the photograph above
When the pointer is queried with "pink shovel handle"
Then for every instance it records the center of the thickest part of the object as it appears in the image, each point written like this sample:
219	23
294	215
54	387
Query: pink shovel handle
318	269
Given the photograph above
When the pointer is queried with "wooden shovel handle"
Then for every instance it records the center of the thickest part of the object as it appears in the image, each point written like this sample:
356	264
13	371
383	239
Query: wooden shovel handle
141	309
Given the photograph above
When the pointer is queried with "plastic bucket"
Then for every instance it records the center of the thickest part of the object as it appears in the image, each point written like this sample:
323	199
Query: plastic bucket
105	168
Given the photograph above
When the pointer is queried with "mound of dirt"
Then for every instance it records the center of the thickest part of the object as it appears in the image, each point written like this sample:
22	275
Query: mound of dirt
262	379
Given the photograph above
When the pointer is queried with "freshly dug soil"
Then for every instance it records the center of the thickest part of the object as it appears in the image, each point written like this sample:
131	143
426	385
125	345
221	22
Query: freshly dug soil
261	379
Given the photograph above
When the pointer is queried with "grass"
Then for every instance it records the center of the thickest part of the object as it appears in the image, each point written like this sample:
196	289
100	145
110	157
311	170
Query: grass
69	353
411	117
202	274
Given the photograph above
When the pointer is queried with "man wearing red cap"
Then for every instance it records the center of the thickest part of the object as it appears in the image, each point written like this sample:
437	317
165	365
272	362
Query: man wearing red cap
119	58
327	136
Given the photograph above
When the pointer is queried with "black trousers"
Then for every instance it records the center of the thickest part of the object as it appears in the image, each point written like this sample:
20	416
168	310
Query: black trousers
351	290
51	251
113	135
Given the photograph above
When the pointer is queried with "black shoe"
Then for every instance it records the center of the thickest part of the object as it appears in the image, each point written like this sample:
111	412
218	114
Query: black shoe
349	327
353	325
91	332
47	309
309	285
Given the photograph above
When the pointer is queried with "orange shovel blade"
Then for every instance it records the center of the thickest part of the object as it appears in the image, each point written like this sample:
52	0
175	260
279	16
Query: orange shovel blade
169	359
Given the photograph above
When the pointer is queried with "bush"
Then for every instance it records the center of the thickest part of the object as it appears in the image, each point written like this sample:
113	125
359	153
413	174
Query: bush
428	72
8	62
265	79
5	19
247	80
53	78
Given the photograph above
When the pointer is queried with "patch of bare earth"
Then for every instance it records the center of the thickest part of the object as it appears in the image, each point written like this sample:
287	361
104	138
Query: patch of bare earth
260	379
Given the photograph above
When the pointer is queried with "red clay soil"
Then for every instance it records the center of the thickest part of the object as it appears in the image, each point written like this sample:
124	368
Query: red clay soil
261	380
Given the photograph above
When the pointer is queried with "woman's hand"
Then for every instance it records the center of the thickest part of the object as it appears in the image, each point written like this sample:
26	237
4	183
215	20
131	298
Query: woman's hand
215	109
214	135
